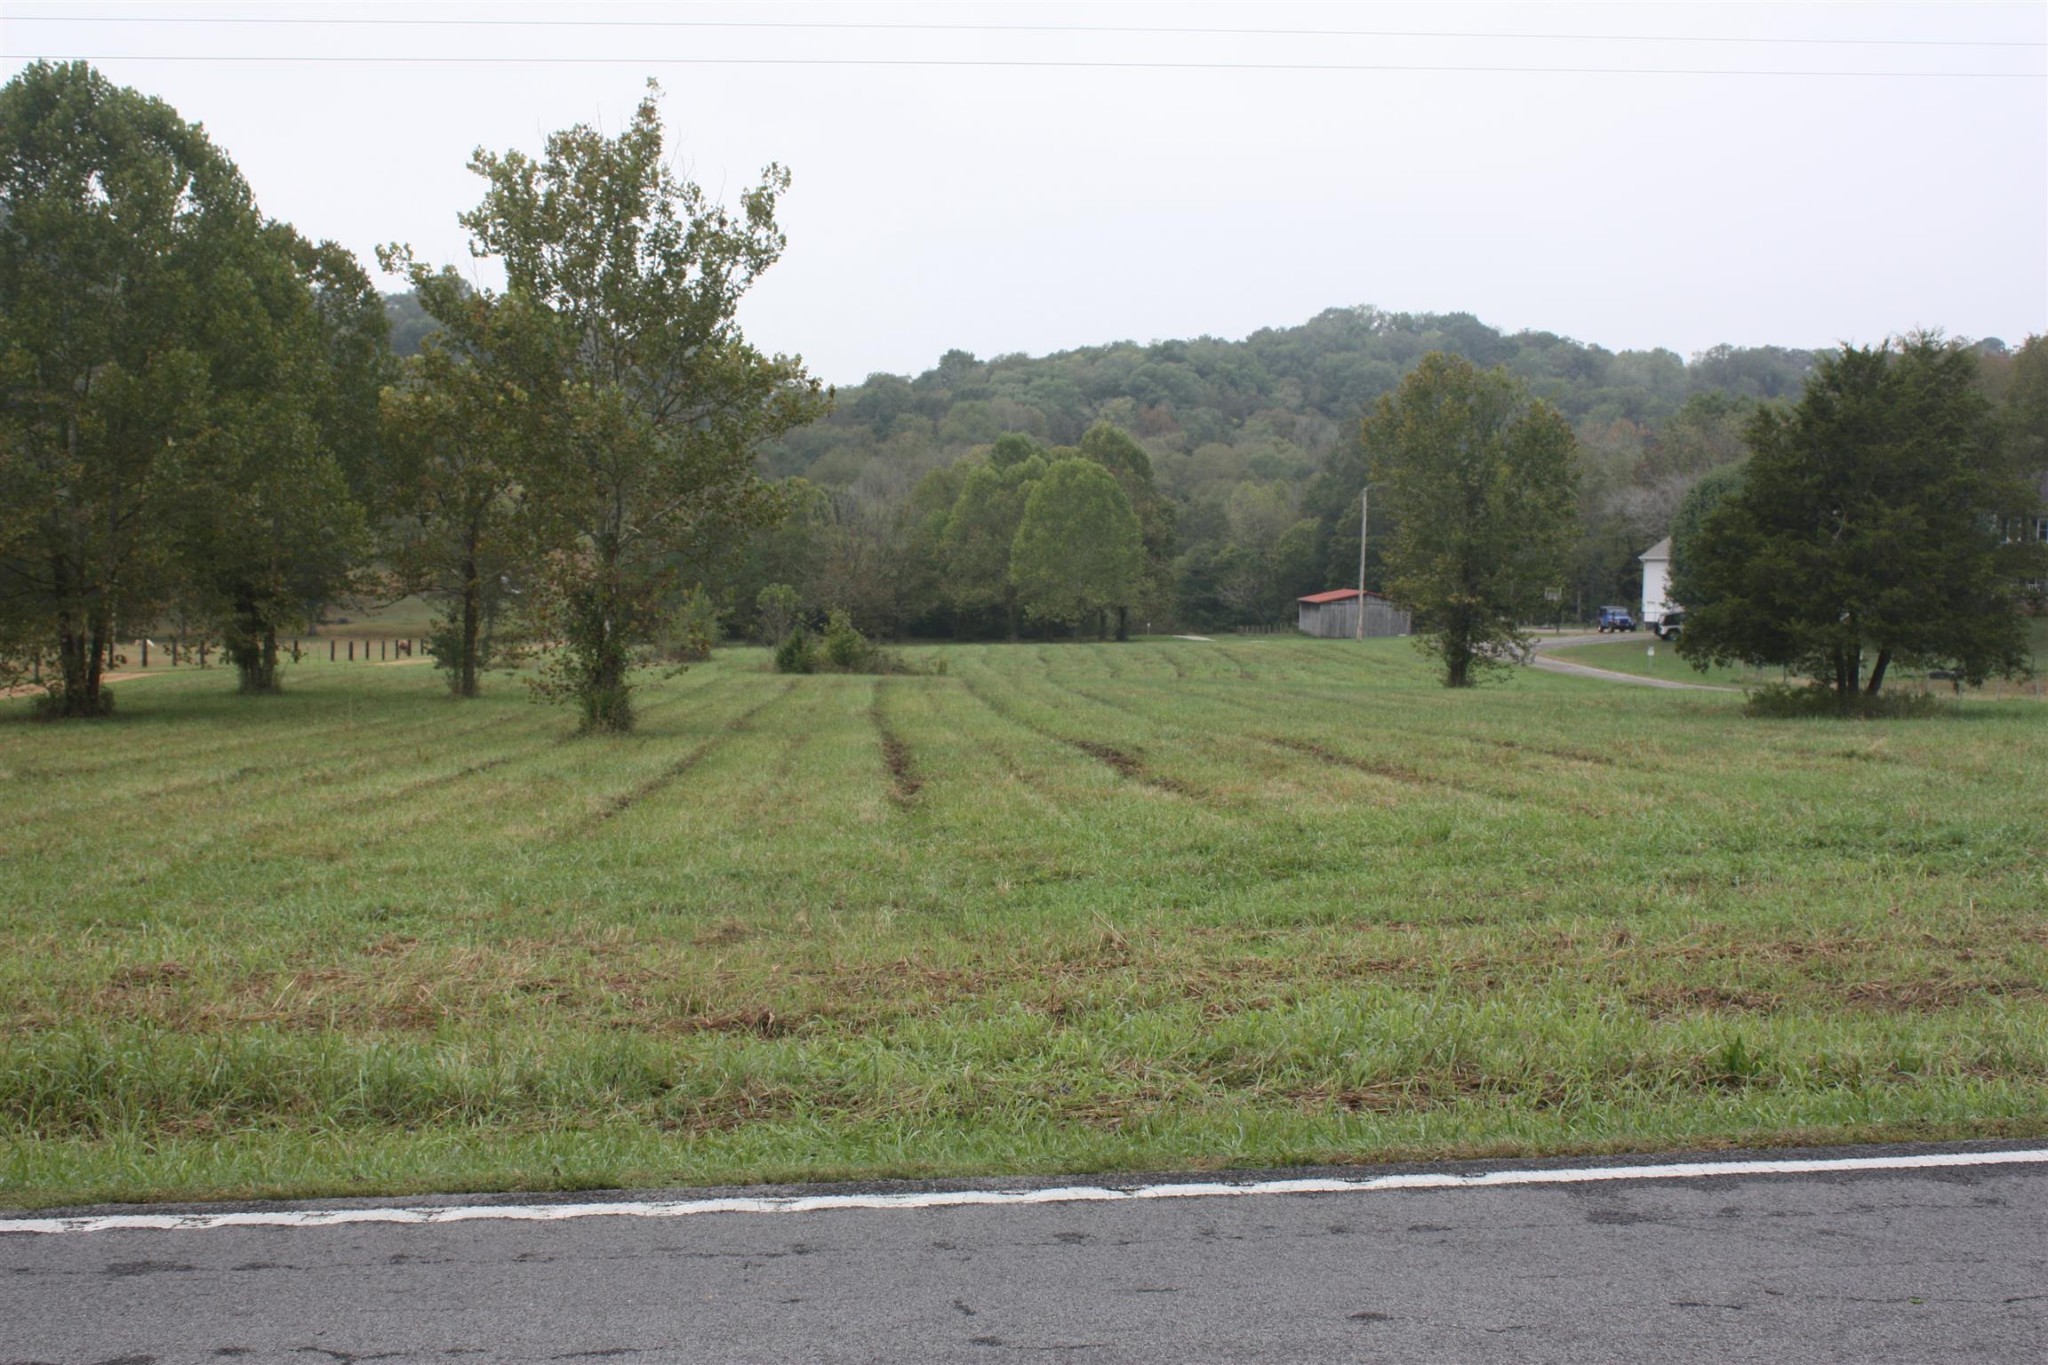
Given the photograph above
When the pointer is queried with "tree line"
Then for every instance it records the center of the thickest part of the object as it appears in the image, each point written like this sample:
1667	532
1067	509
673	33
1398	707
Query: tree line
216	426
204	425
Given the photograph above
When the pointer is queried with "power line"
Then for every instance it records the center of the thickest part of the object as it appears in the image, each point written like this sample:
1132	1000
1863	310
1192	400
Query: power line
913	62
1117	29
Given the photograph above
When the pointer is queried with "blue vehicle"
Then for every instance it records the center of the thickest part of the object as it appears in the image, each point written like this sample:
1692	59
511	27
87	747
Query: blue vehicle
1616	618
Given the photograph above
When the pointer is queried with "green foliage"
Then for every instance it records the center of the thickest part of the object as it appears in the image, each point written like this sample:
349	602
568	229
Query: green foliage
846	649
266	522
1794	701
797	653
775	608
686	632
132	261
1713	488
981	529
1281	408
458	429
650	401
1078	550
1871	521
1484	481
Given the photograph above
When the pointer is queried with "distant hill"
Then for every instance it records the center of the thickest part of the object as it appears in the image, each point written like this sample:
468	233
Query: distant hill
1254	439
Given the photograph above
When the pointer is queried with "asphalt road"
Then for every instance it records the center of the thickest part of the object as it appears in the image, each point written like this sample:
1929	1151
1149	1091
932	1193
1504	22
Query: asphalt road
1903	1266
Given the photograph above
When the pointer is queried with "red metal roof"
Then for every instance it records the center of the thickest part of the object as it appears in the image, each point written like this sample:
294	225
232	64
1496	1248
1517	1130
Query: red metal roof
1335	595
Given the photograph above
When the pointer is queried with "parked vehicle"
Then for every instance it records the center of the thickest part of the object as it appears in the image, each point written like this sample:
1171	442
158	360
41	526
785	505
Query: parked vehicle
1616	618
1669	624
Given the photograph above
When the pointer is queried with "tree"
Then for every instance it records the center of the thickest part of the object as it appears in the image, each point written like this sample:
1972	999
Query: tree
265	517
1871	523
981	531
1713	488
1112	448
121	229
1078	550
653	402
1484	481
458	427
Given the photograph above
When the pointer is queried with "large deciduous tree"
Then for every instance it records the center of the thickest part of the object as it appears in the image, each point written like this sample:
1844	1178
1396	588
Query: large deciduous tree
117	223
980	532
266	520
1484	481
458	424
653	402
1079	549
1113	448
1873	525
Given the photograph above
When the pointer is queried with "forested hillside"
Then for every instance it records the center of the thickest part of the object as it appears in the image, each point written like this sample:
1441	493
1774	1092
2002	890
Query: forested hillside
1255	457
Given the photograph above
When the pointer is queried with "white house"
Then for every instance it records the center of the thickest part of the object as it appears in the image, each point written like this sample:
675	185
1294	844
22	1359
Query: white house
1656	581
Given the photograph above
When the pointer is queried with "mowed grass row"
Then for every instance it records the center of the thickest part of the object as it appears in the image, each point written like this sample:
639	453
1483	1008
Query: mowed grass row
1067	907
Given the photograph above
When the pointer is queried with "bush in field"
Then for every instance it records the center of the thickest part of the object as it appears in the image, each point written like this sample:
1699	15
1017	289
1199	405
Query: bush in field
796	654
846	649
843	650
1788	701
777	605
687	636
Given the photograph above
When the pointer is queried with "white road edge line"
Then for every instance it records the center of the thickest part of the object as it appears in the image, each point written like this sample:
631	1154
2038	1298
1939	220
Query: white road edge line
943	1199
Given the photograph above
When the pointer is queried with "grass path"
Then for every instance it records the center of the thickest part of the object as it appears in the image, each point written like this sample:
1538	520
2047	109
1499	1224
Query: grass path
1064	908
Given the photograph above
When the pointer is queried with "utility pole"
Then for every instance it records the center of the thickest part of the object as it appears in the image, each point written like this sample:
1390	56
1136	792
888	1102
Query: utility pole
1364	514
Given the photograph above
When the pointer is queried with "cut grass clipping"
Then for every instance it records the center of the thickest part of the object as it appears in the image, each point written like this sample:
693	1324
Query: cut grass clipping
1064	909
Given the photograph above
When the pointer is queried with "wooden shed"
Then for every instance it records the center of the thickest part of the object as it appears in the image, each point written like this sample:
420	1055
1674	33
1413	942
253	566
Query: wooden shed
1334	615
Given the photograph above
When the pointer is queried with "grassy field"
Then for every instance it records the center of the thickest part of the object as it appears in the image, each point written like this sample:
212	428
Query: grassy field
1650	657
1067	908
1647	656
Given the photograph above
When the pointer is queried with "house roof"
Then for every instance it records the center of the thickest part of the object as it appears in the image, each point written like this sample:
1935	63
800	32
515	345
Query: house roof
1317	599
1661	550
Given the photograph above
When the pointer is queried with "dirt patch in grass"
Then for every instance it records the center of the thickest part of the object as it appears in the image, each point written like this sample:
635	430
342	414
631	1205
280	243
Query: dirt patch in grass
1128	765
1670	1001
1393	772
1926	997
904	782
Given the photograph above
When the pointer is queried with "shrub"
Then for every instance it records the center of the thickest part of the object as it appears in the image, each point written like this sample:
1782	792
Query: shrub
846	649
686	637
777	605
1791	701
795	654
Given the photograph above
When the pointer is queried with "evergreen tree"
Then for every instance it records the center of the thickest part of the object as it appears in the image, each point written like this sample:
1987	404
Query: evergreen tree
1873	526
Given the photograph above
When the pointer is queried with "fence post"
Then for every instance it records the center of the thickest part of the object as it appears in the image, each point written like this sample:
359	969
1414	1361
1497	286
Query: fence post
330	651
351	651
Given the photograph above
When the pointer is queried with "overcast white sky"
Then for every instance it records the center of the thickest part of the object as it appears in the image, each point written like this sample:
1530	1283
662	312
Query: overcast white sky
1015	177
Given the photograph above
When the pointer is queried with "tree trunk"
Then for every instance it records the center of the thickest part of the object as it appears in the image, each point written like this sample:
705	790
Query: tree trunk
1010	609
78	691
1884	659
1123	623
252	644
470	624
607	697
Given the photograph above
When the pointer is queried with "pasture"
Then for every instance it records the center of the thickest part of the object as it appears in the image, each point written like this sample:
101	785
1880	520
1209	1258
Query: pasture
1066	908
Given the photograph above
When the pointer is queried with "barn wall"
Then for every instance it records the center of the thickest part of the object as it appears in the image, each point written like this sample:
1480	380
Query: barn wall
1339	620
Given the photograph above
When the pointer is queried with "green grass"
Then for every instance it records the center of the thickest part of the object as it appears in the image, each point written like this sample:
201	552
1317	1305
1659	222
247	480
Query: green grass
1647	656
1067	908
